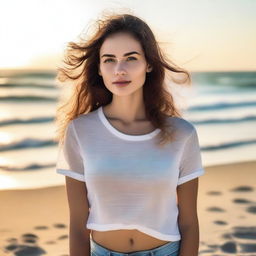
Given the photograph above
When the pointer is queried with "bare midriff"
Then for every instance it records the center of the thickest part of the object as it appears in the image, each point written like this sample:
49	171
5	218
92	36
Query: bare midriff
126	241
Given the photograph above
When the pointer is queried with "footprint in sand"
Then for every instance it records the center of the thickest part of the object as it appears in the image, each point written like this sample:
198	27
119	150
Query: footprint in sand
41	227
29	251
214	193
240	232
215	209
220	222
62	237
29	238
59	238
251	209
242	189
248	247
241	201
226	236
244	232
28	242
11	247
229	247
211	249
24	249
59	225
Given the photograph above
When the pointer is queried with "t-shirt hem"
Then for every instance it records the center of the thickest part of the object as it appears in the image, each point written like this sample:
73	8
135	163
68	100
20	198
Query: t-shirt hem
191	176
71	174
151	232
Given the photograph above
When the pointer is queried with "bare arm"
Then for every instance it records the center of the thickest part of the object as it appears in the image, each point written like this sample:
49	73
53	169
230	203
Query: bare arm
79	235
188	220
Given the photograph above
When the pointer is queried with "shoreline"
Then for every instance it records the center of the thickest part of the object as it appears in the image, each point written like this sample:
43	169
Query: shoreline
226	213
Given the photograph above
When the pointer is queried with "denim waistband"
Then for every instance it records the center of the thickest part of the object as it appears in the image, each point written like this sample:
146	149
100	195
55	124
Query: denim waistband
162	250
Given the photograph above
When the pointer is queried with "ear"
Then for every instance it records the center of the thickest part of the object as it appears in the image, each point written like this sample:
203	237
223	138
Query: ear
149	68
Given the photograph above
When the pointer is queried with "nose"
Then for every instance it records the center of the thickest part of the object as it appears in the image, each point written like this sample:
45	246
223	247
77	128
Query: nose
120	68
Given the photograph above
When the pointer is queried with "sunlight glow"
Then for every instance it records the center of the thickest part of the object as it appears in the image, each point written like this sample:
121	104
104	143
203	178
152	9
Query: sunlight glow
5	138
3	161
207	36
7	182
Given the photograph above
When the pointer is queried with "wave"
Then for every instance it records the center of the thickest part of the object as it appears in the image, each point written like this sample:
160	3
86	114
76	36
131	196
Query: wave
222	105
28	74
228	145
27	143
224	121
238	80
27	98
27	167
34	120
28	85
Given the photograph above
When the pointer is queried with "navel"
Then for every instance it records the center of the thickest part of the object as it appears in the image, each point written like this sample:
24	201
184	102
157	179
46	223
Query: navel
131	241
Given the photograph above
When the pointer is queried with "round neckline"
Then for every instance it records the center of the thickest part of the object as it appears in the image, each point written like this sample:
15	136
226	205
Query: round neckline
122	135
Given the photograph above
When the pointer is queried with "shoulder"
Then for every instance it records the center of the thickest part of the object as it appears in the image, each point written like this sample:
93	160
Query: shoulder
85	123
84	118
180	123
181	126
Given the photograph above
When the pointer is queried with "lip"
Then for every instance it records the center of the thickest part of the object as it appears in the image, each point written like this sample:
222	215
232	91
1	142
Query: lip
121	81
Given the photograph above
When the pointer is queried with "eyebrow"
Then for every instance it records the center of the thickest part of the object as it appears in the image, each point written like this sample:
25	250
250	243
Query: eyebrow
126	54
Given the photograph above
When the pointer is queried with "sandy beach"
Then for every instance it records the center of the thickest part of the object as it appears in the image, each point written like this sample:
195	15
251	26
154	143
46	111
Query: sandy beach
35	221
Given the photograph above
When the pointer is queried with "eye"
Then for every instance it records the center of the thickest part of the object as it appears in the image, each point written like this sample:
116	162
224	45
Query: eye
108	60
131	58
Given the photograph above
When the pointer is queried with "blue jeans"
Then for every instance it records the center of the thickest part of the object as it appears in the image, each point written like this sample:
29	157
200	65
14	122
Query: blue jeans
168	249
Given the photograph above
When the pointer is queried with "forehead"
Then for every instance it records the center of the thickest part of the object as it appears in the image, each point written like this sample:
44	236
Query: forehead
120	43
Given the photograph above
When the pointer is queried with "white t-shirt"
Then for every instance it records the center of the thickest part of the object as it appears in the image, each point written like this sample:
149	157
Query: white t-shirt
131	182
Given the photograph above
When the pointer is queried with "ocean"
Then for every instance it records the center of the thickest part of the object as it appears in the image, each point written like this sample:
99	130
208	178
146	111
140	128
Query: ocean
221	105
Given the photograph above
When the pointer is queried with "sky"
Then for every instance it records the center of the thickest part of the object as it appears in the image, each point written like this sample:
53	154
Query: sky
200	35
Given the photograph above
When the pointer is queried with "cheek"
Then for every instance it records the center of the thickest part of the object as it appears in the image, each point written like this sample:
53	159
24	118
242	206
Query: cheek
138	69
106	72
105	69
135	67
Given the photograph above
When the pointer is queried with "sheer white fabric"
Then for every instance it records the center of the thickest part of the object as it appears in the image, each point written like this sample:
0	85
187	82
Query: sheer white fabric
131	182
191	162
70	161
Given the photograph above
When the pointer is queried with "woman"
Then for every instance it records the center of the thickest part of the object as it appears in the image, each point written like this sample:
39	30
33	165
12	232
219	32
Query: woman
131	161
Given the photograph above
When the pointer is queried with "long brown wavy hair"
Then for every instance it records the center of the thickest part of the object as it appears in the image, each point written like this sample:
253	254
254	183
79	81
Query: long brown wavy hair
88	92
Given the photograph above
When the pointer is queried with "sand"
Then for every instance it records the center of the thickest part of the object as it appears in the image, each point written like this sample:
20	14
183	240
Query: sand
35	221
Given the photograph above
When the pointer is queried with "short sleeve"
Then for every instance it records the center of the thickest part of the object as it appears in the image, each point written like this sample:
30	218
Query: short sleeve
69	159
191	162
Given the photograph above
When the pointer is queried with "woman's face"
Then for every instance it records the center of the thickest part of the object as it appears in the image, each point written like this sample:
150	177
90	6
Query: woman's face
122	58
